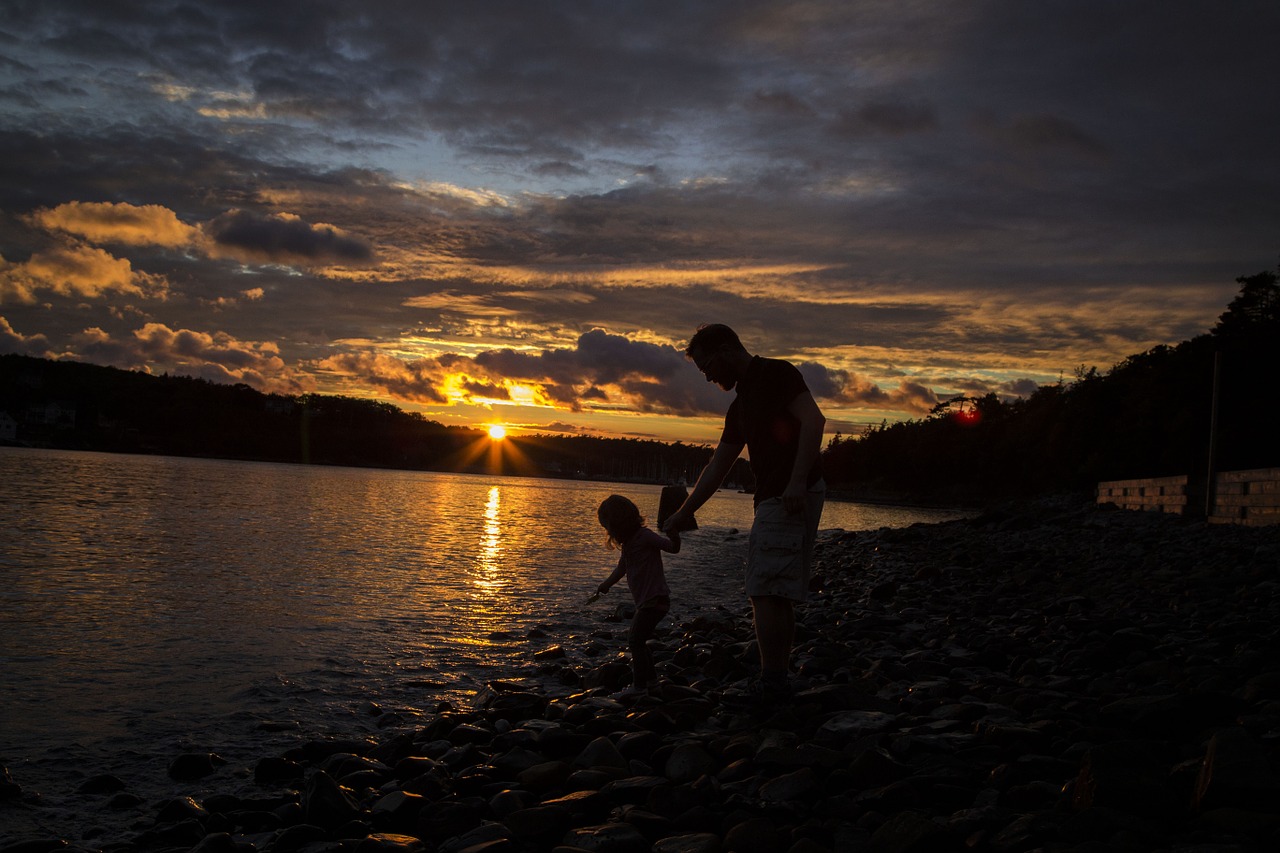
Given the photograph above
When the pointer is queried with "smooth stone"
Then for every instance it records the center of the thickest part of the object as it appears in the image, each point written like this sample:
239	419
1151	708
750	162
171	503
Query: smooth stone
908	832
191	766
504	803
36	845
124	800
1236	774
757	835
9	789
581	802
326	803
538	821
697	842
485	835
1127	776
607	838
276	770
296	837
383	842
592	779
103	783
633	790
516	760
601	753
545	775
217	842
180	809
789	786
688	761
851	725
398	808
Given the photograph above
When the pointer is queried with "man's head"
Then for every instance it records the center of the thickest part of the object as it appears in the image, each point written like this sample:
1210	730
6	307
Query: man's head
718	353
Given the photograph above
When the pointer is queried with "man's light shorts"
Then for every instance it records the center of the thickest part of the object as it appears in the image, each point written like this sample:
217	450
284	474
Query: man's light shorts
781	547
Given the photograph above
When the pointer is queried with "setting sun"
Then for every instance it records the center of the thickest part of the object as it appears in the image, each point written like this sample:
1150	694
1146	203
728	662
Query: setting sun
497	432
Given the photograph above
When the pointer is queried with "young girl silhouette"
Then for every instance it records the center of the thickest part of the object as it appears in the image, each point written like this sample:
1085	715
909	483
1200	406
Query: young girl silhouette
641	564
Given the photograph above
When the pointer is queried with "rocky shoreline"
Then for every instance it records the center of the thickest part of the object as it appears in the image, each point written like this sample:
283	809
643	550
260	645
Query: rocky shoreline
1054	677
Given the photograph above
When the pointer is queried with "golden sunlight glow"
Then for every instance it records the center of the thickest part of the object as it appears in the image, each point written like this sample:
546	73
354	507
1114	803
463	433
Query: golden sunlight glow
524	395
497	432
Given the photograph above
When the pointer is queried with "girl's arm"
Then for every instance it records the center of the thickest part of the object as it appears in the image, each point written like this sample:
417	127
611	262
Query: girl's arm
674	536
618	574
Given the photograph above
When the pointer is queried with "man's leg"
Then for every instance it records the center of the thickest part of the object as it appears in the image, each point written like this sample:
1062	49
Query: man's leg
775	622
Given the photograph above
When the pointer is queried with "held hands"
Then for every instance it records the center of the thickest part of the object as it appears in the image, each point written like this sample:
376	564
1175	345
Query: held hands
674	524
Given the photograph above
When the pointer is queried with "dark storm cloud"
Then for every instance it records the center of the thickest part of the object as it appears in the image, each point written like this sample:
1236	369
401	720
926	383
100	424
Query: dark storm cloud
649	376
895	119
284	238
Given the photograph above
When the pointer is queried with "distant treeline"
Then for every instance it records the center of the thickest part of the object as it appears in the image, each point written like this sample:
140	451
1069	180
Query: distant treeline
1151	415
72	405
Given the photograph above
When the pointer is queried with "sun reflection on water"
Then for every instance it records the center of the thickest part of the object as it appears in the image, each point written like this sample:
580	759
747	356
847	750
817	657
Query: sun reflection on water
490	578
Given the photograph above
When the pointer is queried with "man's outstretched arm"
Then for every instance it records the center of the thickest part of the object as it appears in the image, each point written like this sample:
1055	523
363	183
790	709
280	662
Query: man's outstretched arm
708	481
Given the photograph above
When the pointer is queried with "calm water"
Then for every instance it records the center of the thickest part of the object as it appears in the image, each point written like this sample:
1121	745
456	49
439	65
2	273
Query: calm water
155	605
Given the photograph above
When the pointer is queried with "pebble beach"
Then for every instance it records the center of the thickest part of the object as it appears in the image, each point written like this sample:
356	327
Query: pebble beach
1048	676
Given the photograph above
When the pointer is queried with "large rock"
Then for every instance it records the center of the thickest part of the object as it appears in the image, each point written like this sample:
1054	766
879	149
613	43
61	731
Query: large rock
603	755
689	761
1236	774
326	803
1132	776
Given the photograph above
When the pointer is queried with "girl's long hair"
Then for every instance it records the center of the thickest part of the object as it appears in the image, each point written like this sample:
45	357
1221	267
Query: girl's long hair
620	518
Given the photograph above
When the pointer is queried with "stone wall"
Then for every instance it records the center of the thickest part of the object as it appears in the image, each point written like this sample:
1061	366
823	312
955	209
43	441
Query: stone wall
1239	497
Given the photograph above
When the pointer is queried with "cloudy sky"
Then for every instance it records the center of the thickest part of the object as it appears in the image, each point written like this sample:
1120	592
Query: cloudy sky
518	212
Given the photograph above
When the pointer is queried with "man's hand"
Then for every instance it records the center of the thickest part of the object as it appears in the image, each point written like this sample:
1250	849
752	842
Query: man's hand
676	522
794	500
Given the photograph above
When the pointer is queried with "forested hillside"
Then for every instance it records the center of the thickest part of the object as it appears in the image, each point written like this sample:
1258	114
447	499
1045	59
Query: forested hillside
1148	416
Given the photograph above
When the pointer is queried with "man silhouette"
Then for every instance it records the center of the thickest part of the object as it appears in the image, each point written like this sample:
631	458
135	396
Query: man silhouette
775	417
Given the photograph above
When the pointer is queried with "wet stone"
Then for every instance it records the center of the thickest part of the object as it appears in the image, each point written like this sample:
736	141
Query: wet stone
190	766
101	784
698	842
607	838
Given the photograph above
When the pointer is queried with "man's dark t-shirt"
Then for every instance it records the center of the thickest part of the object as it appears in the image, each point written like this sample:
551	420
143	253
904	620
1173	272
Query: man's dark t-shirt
758	418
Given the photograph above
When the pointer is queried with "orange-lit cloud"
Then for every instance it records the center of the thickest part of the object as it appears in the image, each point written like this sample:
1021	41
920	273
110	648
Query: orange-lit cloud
419	381
282	238
105	222
15	342
216	356
79	271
